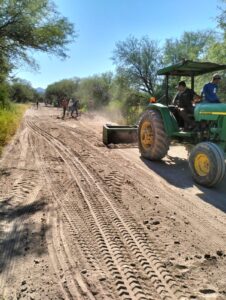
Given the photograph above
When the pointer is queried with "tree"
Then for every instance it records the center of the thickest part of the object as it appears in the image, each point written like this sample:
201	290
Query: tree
95	89
217	51
138	60
192	45
21	91
4	95
221	19
64	88
31	25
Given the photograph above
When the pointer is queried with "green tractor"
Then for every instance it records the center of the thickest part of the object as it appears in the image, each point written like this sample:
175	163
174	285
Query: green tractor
159	125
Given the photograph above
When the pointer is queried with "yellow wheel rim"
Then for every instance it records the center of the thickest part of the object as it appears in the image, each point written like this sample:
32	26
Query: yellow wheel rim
202	164
146	134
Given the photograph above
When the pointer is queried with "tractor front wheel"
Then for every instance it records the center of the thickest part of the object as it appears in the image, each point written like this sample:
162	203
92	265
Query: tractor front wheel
152	138
207	164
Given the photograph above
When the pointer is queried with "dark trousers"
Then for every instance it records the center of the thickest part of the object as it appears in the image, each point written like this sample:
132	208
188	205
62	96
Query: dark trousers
64	112
188	121
74	109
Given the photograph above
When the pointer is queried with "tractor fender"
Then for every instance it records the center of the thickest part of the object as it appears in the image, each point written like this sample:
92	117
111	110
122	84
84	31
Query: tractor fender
209	111
169	121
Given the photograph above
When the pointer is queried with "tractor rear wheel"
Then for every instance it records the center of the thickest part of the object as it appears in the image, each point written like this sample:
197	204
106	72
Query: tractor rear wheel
207	164
152	139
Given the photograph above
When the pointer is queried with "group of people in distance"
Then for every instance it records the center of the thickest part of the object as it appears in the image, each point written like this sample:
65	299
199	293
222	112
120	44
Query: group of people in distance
186	98
70	106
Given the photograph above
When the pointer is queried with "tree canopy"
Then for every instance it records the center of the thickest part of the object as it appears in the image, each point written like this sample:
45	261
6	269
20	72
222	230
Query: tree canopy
191	45
64	88
31	25
138	60
21	91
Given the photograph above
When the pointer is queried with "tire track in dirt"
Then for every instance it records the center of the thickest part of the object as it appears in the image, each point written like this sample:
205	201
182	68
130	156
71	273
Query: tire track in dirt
196	215
25	190
121	289
148	260
179	206
63	265
194	210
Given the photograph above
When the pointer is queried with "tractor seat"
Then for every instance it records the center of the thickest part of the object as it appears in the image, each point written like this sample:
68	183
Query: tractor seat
178	117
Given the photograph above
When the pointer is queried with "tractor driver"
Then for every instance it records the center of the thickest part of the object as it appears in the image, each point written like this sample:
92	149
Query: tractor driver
183	101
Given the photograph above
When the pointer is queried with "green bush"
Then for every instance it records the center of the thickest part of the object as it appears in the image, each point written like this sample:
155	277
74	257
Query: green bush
10	118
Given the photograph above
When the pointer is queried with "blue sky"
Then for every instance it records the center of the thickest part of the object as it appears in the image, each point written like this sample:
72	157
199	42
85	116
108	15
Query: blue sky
102	23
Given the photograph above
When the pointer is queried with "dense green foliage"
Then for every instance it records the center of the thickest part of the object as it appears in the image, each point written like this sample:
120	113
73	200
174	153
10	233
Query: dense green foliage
191	45
27	25
31	25
9	121
21	91
57	91
95	91
4	95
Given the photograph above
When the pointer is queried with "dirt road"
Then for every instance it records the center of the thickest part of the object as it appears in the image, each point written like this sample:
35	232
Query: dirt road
82	221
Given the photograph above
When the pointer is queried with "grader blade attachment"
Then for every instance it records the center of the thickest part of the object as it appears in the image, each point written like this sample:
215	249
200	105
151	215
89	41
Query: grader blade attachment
116	134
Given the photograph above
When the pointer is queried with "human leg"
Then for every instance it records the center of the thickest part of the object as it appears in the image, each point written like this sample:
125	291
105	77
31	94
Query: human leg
72	111
64	111
188	122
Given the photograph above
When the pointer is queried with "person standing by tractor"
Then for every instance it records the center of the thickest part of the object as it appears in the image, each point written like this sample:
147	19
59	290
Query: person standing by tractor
183	101
209	91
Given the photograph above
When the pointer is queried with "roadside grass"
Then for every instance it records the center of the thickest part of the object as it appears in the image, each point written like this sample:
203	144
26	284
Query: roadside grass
10	118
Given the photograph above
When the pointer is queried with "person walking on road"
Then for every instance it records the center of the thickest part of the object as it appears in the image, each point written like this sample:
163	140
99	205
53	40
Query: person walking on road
75	107
69	108
64	104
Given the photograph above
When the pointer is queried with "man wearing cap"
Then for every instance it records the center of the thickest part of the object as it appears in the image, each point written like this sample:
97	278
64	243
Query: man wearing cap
209	91
183	101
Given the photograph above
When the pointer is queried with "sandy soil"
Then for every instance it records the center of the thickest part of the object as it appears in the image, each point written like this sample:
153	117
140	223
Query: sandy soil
81	221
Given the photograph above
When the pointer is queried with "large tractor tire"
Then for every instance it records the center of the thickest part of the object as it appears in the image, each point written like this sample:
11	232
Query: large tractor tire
152	139
207	164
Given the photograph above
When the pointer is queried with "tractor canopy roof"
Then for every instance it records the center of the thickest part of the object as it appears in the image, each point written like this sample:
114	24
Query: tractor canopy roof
191	68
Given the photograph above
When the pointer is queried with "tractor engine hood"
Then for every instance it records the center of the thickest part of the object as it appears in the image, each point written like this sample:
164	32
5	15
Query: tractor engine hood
210	111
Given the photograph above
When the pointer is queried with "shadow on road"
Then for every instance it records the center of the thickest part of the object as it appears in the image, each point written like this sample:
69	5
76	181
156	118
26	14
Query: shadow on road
9	212
176	171
20	237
